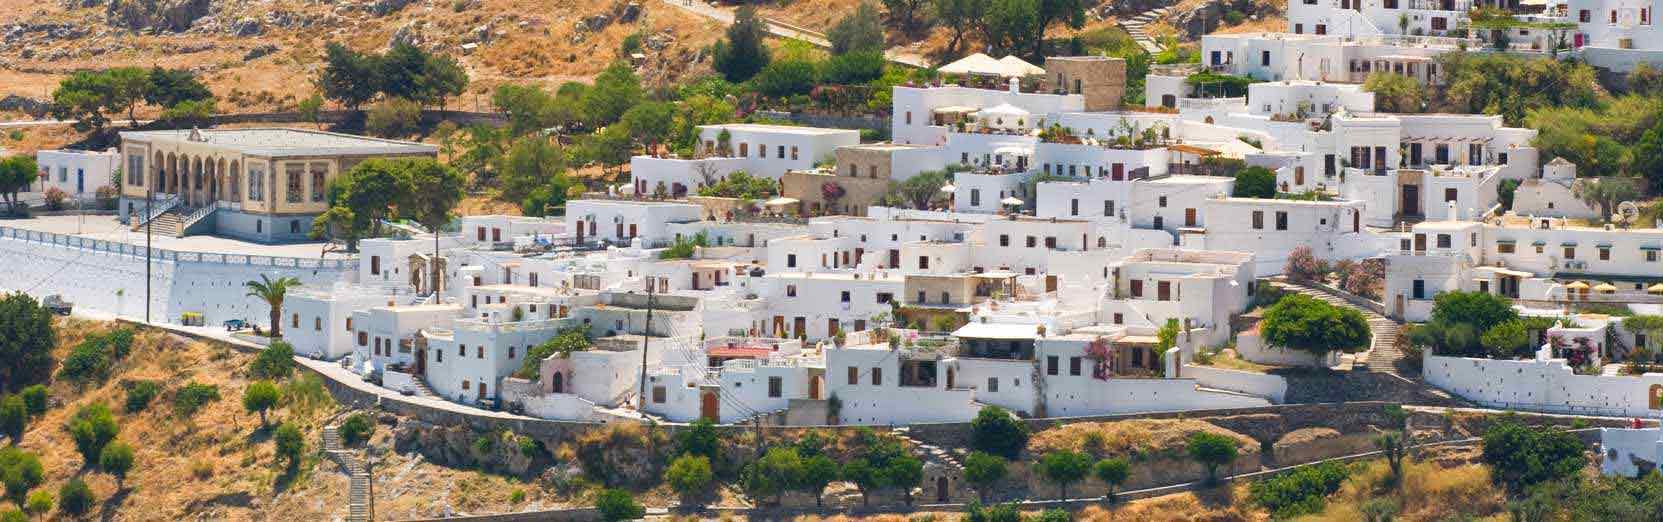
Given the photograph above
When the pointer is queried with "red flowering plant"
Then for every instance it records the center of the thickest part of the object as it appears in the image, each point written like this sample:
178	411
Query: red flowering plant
1098	350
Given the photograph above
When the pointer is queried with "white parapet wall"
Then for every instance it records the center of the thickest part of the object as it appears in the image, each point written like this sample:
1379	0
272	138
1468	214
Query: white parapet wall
110	277
1273	387
1625	450
1545	385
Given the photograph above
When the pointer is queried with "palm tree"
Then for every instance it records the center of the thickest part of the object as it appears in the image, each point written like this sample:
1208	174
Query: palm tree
272	292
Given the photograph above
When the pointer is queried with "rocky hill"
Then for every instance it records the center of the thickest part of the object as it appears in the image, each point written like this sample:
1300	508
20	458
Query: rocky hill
258	55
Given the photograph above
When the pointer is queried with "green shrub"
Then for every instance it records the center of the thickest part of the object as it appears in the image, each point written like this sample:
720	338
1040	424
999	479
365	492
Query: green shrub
689	475
35	398
14	417
1211	450
976	512
356	428
21	471
517	496
12	515
140	393
1054	515
86	362
117	460
393	118
275	362
74	497
92	427
994	431
616	505
1299	492
40	503
289	444
193	396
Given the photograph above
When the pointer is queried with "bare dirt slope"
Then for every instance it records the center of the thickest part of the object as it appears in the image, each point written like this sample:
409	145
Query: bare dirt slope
261	55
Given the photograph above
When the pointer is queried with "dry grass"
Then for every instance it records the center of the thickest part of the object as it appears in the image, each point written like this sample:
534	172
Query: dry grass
1429	491
1230	360
1224	504
1132	438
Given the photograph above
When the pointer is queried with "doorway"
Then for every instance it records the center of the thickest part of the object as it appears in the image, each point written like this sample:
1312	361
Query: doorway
710	407
941	489
814	387
1411	200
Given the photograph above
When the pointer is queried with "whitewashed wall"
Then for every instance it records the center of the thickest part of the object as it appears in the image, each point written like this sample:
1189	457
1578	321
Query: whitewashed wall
1541	385
1273	387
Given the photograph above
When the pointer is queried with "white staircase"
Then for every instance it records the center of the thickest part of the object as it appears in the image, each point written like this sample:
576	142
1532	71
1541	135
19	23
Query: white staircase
1138	27
1383	354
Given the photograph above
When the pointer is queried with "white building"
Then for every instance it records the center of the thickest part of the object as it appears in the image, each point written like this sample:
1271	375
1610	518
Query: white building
768	151
77	173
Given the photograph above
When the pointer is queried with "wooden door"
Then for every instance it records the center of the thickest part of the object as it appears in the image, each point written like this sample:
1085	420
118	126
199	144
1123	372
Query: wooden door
1163	291
1411	200
710	407
799	327
1189	217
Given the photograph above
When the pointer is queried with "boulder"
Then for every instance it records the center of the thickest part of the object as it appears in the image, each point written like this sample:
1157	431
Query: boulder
385	7
156	15
31	106
628	12
245	26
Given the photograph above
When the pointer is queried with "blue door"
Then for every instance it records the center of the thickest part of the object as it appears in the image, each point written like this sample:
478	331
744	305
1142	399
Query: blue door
80	181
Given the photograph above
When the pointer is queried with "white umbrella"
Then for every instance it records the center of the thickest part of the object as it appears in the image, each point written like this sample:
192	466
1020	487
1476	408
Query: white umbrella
1011	201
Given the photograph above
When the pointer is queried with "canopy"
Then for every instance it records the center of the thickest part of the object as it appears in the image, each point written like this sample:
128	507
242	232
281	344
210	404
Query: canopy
974	64
780	202
1003	109
1605	288
1577	285
998	331
1012	200
1017	65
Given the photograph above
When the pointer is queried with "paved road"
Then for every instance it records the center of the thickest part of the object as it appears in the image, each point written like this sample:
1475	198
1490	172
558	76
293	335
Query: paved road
784	31
106	228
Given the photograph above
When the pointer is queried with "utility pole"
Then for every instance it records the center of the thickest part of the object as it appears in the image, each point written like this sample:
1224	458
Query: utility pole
149	200
642	392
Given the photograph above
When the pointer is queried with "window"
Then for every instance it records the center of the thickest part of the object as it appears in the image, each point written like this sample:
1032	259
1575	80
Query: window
511	352
1439	23
1570	252
293	173
775	387
791	260
363	339
1264	58
1050	242
1108	208
1163	202
885	297
779	151
993	385
923	262
1258	220
317	324
1004	240
1613	16
877	376
1074	207
854	376
479	352
1651	256
1032	241
319	171
1604	253
658	394
1137	288
1298	28
1281	220
845	296
294	322
1119	318
375	265
1050	365
1419	291
1443	241
791	290
793	152
465	384
1504	248
1074	366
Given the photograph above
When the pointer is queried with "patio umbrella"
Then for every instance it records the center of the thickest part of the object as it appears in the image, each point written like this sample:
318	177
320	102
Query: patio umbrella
1577	285
1605	288
1011	201
1655	289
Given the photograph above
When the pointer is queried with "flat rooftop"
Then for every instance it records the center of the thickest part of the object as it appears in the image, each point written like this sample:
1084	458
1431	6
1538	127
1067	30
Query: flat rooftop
782	129
274	142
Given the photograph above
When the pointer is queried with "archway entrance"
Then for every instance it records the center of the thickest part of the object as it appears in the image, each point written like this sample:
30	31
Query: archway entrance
710	408
814	387
941	487
559	382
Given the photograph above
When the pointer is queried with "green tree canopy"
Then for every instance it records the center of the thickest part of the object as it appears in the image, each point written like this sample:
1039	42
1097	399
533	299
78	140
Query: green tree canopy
785	77
533	161
984	471
1305	323
861	31
742	185
818	472
1521	456
20	471
1511	85
26	342
742	54
779	470
1063	468
16	174
348	77
289	444
958	16
616	505
1211	450
170	87
616	89
1113	472
14	418
1395	92
117	460
689	476
650	123
996	432
359	201
1482	310
92	427
1255	182
260	397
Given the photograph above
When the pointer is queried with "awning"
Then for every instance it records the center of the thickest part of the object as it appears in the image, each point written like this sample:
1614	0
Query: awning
736	352
1014	65
1651	247
1605	288
1013	201
1507	241
997	331
1539	242
1577	285
1191	149
780	202
1568	243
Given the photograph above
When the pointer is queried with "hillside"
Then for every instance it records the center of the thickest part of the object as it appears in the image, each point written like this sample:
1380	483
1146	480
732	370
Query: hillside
252	52
219	464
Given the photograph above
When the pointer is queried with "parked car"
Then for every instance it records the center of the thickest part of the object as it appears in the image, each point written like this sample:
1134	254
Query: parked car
57	305
232	325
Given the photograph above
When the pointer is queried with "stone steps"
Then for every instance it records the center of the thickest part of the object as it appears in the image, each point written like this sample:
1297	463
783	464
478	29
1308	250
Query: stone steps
358	478
1383	354
1137	28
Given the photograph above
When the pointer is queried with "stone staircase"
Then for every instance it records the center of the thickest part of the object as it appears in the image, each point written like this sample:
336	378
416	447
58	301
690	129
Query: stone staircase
422	390
167	224
358	490
1138	28
1383	355
929	452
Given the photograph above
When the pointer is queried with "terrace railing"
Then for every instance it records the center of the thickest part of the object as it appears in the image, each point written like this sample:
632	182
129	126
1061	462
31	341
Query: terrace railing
159	254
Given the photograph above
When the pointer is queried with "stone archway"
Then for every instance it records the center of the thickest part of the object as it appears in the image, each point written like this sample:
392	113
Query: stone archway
170	179
234	181
157	168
